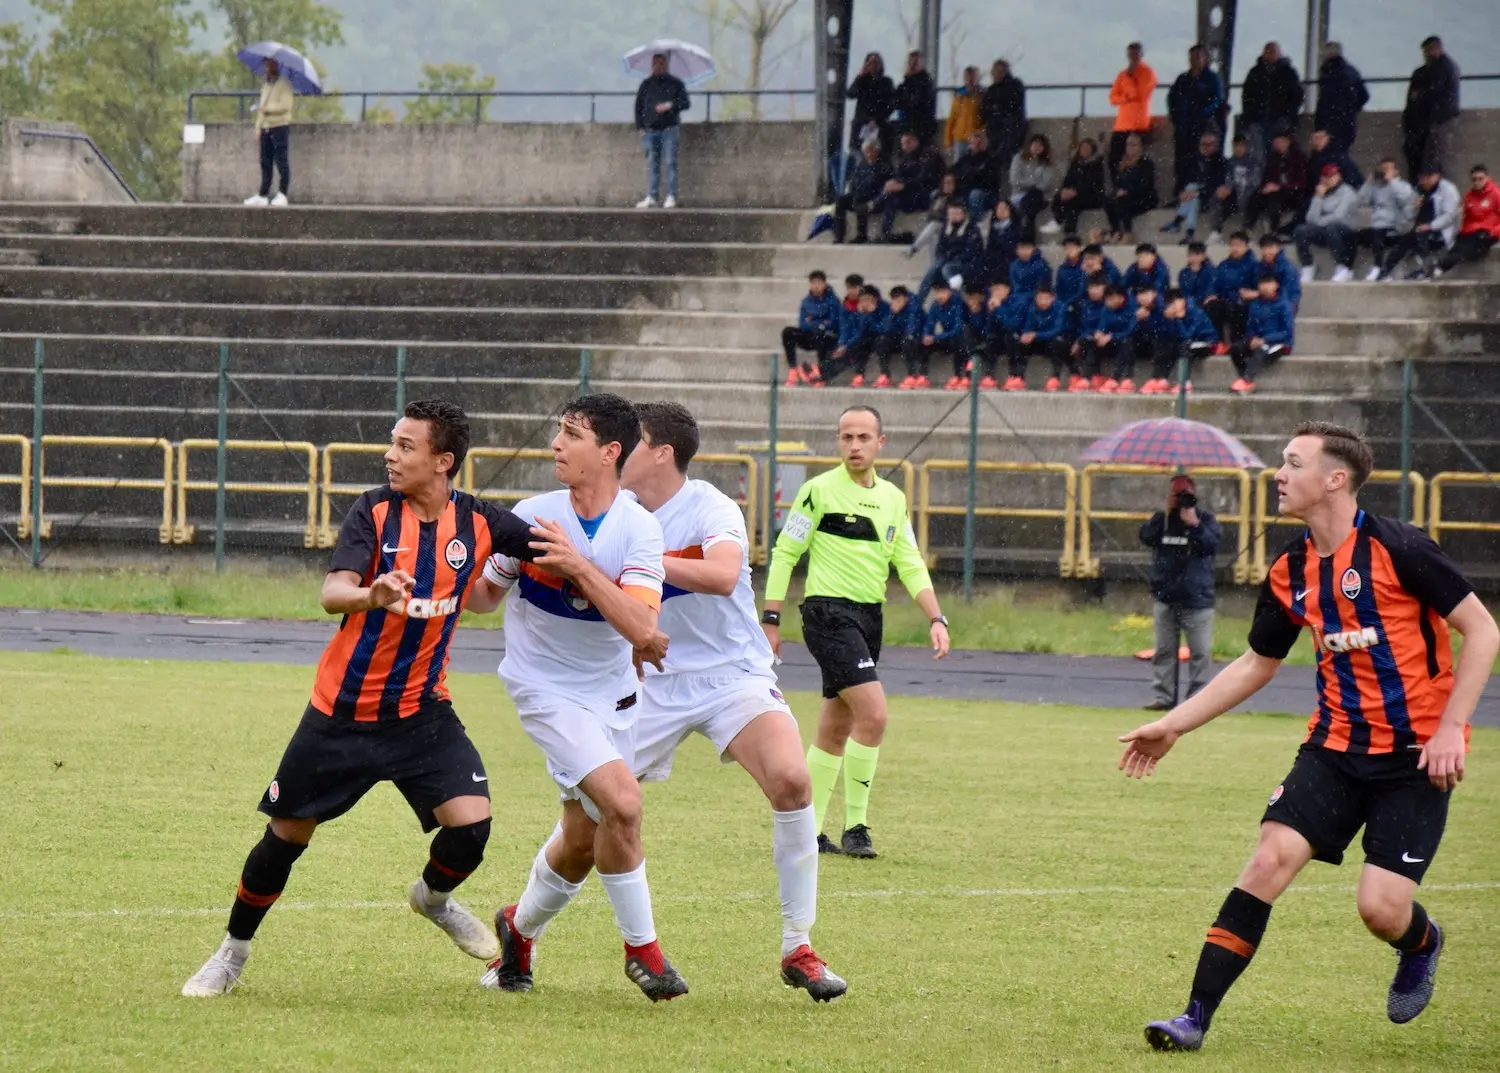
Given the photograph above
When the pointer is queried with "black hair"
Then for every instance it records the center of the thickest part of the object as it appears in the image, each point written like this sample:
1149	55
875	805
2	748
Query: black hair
1145	287
611	419
1172	295
817	273
1239	139
1433	40
899	291
447	428
1025	240
1000	281
1098	279
1112	291
854	279
1269	239
1197	247
1269	276
1093	249
1045	288
1243	236
1479	167
869	290
670	423
974	288
1145	247
1072	240
941	284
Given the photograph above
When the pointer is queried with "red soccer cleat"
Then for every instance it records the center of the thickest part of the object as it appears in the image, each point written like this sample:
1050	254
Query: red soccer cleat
858	381
1052	384
511	971
803	968
649	969
882	381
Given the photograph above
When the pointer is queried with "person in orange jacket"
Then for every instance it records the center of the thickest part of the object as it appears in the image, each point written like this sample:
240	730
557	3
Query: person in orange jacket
1481	226
963	115
1131	94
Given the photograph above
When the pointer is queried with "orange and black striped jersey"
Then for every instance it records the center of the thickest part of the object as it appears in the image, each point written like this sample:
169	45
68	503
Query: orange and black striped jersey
1377	610
386	664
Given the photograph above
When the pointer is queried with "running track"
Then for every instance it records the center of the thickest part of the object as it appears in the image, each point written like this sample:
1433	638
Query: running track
1093	681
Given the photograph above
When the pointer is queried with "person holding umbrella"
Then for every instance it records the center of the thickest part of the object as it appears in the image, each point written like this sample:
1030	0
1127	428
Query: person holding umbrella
273	128
1183	540
662	98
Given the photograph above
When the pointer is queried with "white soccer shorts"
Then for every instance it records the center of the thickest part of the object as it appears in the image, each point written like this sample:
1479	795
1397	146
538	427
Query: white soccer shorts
716	706
576	739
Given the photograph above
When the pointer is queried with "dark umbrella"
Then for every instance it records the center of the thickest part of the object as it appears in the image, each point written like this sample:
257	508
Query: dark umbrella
1172	441
298	69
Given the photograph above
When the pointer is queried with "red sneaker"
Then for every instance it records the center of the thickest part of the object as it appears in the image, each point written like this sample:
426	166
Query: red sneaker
1239	385
963	383
923	382
511	971
907	384
649	969
1108	387
1015	383
1127	387
1151	387
793	378
803	968
989	384
858	381
1079	384
1052	384
1221	349
1098	382
882	381
953	384
1249	388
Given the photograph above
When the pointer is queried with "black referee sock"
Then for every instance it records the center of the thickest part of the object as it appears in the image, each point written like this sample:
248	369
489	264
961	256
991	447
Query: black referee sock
456	853
264	878
1227	950
1418	933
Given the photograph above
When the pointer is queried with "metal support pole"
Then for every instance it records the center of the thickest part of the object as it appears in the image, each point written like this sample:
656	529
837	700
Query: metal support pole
1317	37
400	381
972	494
1216	32
223	459
585	362
930	35
832	26
772	417
1406	391
1184	368
36	460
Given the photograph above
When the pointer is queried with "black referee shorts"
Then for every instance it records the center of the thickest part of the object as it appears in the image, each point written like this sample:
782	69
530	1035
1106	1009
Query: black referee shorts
330	764
844	637
1328	796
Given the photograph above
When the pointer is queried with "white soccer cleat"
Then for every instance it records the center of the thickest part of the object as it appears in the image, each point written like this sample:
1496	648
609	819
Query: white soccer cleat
219	973
1372	275
256	201
465	929
670	203
279	201
1342	274
646	203
1309	274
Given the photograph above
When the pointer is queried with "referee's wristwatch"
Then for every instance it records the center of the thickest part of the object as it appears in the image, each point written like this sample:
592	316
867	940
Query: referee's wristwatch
940	618
771	618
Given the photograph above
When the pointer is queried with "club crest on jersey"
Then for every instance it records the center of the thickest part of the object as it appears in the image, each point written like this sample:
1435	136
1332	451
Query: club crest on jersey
777	697
1350	584
1276	795
274	792
574	599
457	553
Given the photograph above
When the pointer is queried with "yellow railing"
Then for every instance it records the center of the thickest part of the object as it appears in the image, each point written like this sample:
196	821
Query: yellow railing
183	533
1085	565
508	495
1264	519
21	477
824	463
151	484
327	531
1067	512
1435	522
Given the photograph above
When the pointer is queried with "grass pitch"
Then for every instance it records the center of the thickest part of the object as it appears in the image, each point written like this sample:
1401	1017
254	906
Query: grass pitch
1032	908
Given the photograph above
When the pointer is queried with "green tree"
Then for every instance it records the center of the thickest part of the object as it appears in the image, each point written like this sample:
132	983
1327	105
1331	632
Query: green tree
305	25
448	78
121	70
20	72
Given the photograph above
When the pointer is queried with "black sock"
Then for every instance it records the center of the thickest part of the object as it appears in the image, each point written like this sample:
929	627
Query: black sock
1227	950
456	853
1418	934
266	871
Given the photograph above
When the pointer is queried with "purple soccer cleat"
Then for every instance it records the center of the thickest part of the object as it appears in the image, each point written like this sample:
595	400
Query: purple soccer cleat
1411	990
1182	1033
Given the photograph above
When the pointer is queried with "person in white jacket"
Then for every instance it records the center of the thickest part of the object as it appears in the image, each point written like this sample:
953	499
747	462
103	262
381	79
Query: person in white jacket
1436	223
1330	223
1392	204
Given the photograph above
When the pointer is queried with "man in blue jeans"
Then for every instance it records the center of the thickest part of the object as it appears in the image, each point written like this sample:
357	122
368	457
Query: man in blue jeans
659	103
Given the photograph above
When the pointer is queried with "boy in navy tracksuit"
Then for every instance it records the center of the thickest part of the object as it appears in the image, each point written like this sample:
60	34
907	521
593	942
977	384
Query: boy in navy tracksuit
1007	312
1194	337
1042	332
1153	340
942	333
1110	351
1269	328
860	337
1197	279
1148	268
1086	317
817	329
1029	270
1096	260
898	332
1236	279
977	327
1288	278
1071	276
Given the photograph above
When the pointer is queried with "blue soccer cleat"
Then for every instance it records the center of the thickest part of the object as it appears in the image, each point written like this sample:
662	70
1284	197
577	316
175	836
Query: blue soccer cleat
1182	1033
1411	990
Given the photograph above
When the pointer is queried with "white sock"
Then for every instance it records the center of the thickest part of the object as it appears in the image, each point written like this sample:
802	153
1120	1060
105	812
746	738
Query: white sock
631	900
546	894
795	850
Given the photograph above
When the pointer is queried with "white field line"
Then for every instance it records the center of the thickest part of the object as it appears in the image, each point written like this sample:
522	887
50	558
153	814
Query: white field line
741	896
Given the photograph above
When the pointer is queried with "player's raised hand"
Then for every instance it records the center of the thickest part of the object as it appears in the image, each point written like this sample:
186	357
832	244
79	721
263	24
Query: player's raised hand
940	641
653	654
1443	758
1144	746
558	552
389	590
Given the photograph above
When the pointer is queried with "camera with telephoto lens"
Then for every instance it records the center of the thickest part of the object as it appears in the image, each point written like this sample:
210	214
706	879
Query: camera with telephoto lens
1186	499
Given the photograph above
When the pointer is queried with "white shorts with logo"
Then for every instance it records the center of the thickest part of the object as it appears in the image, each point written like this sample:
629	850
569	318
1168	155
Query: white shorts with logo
716	706
575	737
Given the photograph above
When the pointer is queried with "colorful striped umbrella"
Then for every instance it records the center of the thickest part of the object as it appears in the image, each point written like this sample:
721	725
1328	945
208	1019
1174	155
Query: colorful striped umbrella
1172	441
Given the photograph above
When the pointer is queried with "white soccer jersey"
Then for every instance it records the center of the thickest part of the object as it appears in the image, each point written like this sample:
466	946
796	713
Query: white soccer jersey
709	633
555	640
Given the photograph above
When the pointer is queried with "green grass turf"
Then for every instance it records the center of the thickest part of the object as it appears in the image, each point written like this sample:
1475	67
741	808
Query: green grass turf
1002	618
1031	909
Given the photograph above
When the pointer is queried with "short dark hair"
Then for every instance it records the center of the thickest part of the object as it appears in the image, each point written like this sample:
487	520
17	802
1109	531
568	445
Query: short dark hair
941	284
869	290
1145	247
447	428
1344	444
1025	240
861	408
1270	238
1268	276
1098	279
1001	281
974	287
672	424
1145	287
1239	139
1172	295
612	420
1072	240
1477	168
1045	288
1093	249
1433	40
854	279
1134	45
1114	291
817	273
1197	247
900	291
1243	236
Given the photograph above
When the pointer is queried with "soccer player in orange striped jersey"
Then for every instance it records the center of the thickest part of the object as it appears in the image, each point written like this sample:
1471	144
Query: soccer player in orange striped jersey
407	558
572	619
1385	748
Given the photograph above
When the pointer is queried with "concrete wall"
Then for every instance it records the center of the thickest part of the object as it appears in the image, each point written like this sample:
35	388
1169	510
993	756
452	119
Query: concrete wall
54	169
722	165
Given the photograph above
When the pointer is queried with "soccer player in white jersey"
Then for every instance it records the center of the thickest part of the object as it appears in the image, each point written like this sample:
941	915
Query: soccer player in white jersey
572	619
717	680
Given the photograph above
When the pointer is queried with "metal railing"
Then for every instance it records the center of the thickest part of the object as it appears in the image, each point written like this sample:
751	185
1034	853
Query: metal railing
183	532
774	502
1067	513
1435	522
107	484
79	136
21	477
327	531
482	98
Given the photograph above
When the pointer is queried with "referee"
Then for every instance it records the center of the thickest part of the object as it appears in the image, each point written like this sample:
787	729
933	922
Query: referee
853	526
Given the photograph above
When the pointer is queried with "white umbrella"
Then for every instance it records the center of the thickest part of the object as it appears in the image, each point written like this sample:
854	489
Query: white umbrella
688	62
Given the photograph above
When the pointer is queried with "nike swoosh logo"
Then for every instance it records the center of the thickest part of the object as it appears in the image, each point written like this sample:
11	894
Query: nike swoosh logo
863	782
388	550
1298	595
1412	860
480	778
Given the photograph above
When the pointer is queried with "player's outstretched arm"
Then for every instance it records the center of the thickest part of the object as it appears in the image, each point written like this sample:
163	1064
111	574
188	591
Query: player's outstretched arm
716	574
1235	684
1443	754
343	593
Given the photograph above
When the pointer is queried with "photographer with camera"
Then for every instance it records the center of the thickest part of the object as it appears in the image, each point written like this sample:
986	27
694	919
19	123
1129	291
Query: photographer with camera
1183	540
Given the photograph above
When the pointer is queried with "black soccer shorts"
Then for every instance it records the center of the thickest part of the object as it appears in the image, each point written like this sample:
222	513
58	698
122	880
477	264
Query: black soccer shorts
1329	795
330	764
844	637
